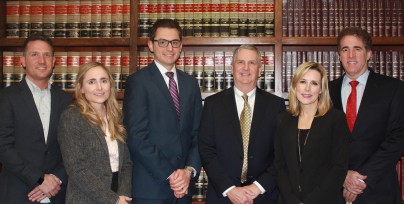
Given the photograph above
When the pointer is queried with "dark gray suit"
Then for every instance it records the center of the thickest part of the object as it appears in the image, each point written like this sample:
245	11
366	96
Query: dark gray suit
377	139
160	143
86	157
221	145
23	151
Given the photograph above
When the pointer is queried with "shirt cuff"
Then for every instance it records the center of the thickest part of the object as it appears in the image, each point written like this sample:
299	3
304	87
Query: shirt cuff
226	191
192	171
262	189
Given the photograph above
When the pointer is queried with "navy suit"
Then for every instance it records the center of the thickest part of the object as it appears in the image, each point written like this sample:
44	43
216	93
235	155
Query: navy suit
160	143
377	139
221	145
23	151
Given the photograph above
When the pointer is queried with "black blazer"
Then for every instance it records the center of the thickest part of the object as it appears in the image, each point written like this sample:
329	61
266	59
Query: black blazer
377	140
23	151
221	146
159	143
324	160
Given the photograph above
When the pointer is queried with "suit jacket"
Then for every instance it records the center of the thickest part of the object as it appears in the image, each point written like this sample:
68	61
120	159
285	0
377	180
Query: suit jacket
324	161
86	157
377	139
23	152
221	145
160	143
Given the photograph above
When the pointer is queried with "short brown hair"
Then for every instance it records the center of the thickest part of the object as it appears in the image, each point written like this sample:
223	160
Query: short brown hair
358	32
36	37
164	23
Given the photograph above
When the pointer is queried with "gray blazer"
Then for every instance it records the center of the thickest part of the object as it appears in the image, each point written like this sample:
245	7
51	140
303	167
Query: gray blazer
86	158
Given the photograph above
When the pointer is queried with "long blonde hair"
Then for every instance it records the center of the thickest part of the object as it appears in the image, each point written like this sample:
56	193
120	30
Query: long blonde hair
114	113
324	100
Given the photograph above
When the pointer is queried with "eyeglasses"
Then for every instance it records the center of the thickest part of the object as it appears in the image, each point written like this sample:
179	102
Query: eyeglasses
164	43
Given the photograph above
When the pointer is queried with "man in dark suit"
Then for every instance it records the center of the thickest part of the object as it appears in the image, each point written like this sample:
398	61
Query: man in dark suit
377	127
235	175
162	109
33	170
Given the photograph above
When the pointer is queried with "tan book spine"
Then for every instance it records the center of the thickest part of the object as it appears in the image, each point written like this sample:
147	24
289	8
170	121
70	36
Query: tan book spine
12	19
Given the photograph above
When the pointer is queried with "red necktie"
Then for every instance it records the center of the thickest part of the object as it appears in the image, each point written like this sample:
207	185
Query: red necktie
351	106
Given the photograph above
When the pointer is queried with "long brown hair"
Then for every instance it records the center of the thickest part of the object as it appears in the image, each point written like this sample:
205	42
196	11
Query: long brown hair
114	113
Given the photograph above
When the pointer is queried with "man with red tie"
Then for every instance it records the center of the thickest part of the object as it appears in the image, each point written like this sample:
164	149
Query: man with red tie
374	107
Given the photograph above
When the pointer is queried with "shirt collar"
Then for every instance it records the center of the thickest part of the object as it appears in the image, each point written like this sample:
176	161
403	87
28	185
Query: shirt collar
249	94
34	88
163	70
362	79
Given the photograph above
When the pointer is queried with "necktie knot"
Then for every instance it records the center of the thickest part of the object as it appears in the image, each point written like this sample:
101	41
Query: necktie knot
354	84
170	75
245	97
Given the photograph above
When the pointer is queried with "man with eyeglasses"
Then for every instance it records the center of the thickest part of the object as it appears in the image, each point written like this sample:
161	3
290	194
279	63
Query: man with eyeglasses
162	108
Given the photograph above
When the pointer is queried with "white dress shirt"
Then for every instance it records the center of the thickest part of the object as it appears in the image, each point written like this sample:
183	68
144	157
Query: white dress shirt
360	88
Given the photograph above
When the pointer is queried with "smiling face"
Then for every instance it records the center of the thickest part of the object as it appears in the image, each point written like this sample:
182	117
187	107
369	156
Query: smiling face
354	56
246	69
38	61
308	88
166	56
96	86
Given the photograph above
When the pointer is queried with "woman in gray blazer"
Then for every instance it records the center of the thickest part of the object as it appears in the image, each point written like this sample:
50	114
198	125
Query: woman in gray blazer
92	142
311	144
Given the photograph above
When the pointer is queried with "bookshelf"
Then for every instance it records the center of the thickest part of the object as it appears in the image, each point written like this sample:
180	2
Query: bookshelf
384	19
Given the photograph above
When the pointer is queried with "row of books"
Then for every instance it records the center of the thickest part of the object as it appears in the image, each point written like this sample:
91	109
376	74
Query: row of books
389	63
67	66
68	19
211	18
316	18
213	69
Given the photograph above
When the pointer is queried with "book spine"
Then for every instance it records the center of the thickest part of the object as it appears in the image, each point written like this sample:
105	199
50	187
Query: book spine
332	65
224	8
117	19
260	18
198	68
215	18
331	18
234	18
252	18
25	20
36	14
394	18
179	9
296	18
115	69
106	19
388	18
126	19
96	19
367	7
375	15
85	19
73	65
73	19
60	71
206	18
208	71
12	19
48	27
302	17
8	68
285	14
269	21
395	64
291	16
189	62
400	18
325	18
189	17
243	18
96	57
401	65
269	70
125	68
142	59
319	18
382	17
201	22
179	64
219	71
228	75
261	76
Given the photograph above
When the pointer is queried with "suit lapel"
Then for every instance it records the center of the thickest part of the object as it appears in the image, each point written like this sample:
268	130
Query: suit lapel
259	112
30	105
183	90
231	110
53	121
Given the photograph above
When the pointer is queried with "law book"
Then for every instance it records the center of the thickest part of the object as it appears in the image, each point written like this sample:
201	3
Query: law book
369	15
388	18
294	66
355	9
400	18
179	64
154	12
106	58
199	27
161	9
261	21
252	18
206	17
389	64
228	73
219	71
296	18
234	18
189	62
332	19
142	59
269	17
284	60
170	9
362	14
36	13
319	17
198	68
269	71
60	19
106	18
85	57
125	68
12	19
73	19
180	14
48	26
24	18
331	68
313	18
115	68
325	18
96	57
261	74
208	71
395	64
190	21
326	63
96	18
116	18
349	16
338	16
376	61
302	16
284	17
150	57
60	70
85	19
215	18
73	66
126	19
343	14
8	68
224	13
375	21
291	16
338	67
243	18
288	71
382	17
19	71
394	18
401	64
